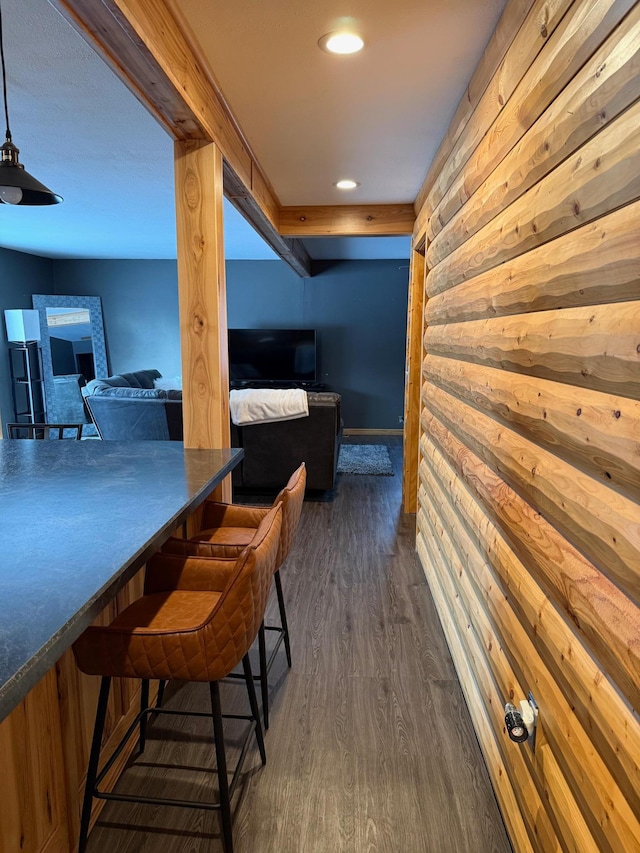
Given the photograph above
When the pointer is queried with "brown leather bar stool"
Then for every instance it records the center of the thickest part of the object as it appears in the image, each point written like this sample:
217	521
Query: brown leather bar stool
227	529
195	622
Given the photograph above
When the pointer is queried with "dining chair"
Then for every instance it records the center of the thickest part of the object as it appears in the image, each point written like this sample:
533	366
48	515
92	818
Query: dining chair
45	431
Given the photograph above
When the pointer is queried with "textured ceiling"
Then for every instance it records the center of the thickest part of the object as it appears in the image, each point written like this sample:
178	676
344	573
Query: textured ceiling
85	136
310	118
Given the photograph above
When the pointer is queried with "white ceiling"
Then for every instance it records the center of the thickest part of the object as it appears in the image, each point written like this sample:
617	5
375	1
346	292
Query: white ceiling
311	118
377	116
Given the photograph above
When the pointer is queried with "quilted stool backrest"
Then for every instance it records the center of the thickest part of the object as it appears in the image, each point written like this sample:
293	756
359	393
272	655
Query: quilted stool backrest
244	600
291	497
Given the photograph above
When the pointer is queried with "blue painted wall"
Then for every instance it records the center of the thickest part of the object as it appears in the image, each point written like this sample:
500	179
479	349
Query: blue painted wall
139	307
20	276
358	308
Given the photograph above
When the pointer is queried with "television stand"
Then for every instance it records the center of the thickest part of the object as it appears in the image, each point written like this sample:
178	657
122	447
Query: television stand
307	385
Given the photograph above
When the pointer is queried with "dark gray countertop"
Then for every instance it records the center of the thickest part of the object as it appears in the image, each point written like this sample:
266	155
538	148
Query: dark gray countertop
77	519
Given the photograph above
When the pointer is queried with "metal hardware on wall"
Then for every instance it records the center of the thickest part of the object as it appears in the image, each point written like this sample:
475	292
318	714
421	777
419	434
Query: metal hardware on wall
521	722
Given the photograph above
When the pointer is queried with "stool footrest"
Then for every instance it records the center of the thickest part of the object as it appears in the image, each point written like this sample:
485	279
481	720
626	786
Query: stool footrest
156	801
167	801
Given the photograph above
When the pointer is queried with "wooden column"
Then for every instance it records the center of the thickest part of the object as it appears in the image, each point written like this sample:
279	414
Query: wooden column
413	382
202	297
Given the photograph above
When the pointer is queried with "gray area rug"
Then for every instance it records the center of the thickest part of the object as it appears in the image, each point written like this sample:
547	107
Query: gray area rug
365	459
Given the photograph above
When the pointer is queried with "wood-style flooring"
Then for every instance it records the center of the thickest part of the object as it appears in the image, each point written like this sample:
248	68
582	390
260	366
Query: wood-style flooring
370	746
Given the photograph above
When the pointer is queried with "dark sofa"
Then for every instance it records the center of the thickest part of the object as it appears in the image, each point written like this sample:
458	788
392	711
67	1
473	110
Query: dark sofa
128	407
272	451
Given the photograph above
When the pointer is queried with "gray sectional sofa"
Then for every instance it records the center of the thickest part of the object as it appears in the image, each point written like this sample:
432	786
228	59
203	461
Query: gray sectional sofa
127	406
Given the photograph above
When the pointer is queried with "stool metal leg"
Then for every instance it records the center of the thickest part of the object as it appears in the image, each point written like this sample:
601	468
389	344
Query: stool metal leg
253	702
160	696
221	758
283	616
264	684
144	704
94	757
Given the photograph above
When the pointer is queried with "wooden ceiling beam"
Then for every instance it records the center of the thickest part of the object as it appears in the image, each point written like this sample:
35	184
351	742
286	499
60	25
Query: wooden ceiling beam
291	251
348	220
146	44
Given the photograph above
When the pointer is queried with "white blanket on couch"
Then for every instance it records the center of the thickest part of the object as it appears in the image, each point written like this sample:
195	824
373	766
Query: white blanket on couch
266	405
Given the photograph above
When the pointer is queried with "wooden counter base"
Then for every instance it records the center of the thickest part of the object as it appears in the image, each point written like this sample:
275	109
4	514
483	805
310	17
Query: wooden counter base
44	749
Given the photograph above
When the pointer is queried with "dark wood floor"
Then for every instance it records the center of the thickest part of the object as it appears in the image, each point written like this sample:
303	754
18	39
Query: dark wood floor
370	746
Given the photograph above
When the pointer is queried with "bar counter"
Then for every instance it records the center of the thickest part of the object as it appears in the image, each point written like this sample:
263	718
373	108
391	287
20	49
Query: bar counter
78	520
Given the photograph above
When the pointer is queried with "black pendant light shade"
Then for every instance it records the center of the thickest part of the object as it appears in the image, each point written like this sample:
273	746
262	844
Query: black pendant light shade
17	186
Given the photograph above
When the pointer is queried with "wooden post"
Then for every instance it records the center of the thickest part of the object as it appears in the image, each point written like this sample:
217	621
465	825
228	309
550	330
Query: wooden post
202	297
413	382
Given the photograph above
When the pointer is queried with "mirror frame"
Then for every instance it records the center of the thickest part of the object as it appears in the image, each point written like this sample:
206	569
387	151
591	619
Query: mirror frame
41	302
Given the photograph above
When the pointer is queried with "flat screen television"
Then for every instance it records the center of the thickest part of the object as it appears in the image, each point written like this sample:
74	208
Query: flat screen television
272	355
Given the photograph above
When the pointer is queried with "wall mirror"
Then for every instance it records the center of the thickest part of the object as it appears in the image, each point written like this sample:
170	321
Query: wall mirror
73	351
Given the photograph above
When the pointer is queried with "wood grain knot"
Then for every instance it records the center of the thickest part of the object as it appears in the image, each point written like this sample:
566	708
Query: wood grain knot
191	189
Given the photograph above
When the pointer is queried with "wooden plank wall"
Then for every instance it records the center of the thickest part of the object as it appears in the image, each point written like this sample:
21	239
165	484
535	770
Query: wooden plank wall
529	474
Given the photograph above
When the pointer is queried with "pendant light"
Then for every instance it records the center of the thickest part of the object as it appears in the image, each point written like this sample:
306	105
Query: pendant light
17	186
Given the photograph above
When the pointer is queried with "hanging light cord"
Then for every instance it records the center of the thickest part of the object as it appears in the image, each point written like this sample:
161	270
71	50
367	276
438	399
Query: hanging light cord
4	79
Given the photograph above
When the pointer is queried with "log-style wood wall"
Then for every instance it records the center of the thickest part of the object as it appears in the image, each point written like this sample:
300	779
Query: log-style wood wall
529	476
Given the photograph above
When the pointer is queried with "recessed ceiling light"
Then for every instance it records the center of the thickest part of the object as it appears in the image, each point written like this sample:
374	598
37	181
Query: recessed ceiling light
347	184
341	43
